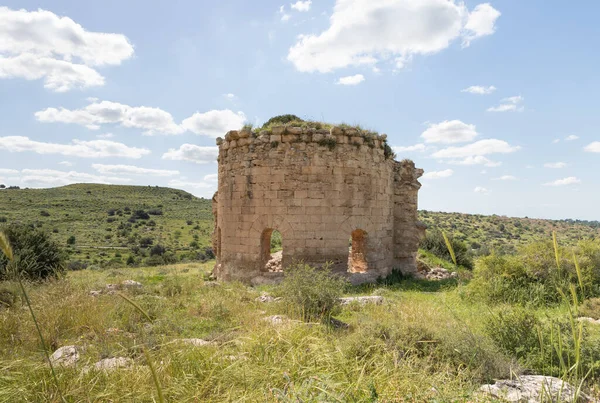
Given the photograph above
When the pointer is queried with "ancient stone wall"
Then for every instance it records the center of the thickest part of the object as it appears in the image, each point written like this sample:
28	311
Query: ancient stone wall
323	190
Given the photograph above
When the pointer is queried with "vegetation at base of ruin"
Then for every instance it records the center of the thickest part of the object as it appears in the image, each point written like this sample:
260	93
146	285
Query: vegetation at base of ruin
421	346
435	243
115	226
310	294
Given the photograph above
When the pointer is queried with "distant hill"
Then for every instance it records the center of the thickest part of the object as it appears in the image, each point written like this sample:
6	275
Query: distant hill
485	233
109	220
103	219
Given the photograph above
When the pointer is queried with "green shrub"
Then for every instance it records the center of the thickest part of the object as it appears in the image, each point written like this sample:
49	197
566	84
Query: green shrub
309	293
548	347
434	242
36	256
71	240
282	119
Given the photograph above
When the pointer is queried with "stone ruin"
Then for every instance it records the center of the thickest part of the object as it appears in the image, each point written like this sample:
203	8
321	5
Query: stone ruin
337	197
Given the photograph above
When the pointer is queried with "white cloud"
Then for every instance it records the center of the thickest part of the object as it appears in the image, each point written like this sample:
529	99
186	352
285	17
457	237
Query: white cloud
438	174
510	104
214	123
479	89
351	80
555	141
482	190
555	165
8	171
479	148
506	178
105	136
571	137
449	131
284	16
571	180
132	170
593	147
211	177
408	149
301	5
78	148
193	153
200	189
481	22
39	44
476	160
51	177
66	163
152	120
230	96
363	32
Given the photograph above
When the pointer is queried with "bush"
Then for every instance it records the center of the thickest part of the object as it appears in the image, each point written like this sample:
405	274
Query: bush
282	119
44	213
157	250
544	347
141	215
532	277
155	211
36	256
71	240
311	293
434	242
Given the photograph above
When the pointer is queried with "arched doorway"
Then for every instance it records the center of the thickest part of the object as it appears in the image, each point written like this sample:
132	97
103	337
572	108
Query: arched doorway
357	256
271	254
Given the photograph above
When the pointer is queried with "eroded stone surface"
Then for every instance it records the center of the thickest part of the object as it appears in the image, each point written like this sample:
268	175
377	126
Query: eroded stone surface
277	319
372	299
131	284
66	356
589	320
318	188
531	388
267	298
436	273
110	364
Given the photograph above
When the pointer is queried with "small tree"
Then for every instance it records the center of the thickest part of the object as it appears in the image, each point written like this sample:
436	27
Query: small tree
71	240
35	254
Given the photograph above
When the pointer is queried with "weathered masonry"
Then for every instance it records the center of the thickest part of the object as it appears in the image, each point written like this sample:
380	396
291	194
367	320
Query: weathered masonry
335	195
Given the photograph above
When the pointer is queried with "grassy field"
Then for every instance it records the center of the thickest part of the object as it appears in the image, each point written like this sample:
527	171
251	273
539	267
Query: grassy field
426	342
102	218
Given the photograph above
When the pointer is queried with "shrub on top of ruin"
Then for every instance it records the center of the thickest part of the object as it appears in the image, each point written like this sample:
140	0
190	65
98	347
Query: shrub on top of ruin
282	120
388	152
434	242
310	293
36	255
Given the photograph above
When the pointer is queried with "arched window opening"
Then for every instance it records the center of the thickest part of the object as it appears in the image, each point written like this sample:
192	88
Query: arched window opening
272	250
357	257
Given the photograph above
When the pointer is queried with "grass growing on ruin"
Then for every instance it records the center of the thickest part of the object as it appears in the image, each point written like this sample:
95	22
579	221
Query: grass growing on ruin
417	346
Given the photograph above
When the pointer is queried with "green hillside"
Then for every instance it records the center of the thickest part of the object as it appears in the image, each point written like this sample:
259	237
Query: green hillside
486	233
103	218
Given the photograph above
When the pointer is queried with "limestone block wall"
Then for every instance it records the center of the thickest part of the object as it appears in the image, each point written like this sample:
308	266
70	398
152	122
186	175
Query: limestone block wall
318	188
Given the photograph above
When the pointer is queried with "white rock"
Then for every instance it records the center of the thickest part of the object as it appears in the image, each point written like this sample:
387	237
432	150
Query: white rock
373	299
531	388
110	364
277	319
95	293
66	356
131	284
591	320
267	298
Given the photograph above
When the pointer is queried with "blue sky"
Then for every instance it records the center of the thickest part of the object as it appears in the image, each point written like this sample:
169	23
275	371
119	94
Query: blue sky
496	101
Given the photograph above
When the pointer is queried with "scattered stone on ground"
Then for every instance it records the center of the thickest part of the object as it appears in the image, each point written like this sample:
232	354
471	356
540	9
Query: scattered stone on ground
264	297
131	284
436	273
274	264
195	342
95	293
373	299
211	284
66	356
534	388
591	320
112	288
110	364
277	319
